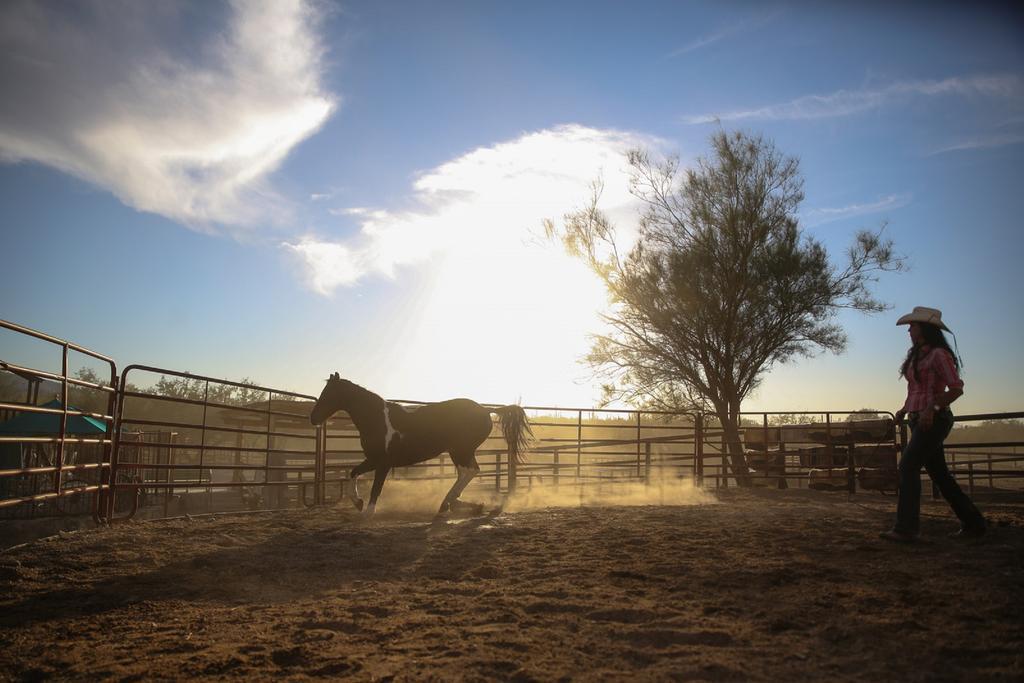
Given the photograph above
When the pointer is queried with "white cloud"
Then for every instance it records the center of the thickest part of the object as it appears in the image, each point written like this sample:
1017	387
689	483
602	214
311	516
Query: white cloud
487	200
741	26
706	40
847	102
350	211
331	265
146	101
982	142
813	217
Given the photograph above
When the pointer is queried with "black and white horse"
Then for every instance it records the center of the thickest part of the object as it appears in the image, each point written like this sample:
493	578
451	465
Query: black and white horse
392	436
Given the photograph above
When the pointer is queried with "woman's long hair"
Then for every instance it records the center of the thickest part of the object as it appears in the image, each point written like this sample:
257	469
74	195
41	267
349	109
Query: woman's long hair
933	338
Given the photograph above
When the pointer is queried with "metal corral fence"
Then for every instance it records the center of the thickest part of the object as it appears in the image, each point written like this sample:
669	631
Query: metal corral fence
826	450
54	457
859	450
987	451
580	447
187	443
155	442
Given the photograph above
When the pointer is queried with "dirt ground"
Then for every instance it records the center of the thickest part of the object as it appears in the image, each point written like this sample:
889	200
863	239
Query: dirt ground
752	586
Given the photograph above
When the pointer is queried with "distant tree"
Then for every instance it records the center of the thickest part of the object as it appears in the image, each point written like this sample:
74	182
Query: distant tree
90	375
13	389
867	414
191	388
1008	423
194	388
721	283
96	400
87	398
783	419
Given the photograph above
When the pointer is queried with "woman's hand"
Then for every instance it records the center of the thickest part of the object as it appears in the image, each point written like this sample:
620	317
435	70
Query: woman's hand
898	416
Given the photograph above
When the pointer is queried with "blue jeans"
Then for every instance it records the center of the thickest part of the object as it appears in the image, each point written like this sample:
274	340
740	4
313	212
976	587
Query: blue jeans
925	450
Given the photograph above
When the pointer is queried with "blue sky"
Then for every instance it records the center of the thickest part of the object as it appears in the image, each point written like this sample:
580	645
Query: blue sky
282	190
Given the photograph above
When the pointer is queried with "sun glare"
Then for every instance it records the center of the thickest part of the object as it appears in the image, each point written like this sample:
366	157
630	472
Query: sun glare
501	313
504	321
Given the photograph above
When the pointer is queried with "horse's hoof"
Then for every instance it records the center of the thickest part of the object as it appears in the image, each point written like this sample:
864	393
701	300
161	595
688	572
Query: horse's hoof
358	502
467	509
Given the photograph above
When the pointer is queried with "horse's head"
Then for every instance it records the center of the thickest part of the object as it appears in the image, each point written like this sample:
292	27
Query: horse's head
333	398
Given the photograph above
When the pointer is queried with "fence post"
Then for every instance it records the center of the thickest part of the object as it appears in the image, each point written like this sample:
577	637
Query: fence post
764	445
782	449
116	405
829	447
724	470
317	479
513	475
321	457
638	443
851	471
991	484
970	477
554	467
202	431
647	462
579	445
698	449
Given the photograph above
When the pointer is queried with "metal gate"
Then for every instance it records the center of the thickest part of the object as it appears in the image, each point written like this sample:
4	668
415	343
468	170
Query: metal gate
56	455
187	443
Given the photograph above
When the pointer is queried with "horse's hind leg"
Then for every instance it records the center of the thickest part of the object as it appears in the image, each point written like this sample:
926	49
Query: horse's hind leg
467	469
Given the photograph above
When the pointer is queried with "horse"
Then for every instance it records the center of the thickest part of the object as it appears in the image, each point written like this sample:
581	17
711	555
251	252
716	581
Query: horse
393	436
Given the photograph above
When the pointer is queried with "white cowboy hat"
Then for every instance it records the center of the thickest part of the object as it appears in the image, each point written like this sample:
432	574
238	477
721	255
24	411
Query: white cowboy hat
923	314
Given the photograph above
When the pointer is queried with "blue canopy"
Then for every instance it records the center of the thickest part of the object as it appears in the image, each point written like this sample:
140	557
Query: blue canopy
48	424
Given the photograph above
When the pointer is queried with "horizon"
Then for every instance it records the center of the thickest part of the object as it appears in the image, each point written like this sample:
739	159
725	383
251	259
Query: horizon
282	191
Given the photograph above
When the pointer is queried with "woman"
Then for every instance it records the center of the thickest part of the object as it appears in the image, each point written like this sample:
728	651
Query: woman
933	382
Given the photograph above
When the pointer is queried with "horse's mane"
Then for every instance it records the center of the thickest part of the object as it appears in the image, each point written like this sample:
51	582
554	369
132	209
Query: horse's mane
361	391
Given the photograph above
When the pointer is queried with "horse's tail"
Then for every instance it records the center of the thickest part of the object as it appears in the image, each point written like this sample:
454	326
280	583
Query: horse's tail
516	430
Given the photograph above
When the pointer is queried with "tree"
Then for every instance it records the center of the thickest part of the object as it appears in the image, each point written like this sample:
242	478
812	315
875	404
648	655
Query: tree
87	398
865	414
196	389
720	284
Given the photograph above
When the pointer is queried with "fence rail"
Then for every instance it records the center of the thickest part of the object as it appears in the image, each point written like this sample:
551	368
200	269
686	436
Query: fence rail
160	442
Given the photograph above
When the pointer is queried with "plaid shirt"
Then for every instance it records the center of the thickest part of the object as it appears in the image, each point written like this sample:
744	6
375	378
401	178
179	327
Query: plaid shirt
935	372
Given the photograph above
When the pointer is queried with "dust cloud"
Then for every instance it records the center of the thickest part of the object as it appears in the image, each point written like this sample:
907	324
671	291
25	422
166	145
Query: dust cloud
425	495
668	491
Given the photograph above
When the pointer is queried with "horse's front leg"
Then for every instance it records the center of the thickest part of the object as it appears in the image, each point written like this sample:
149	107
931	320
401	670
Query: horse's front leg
353	493
379	475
